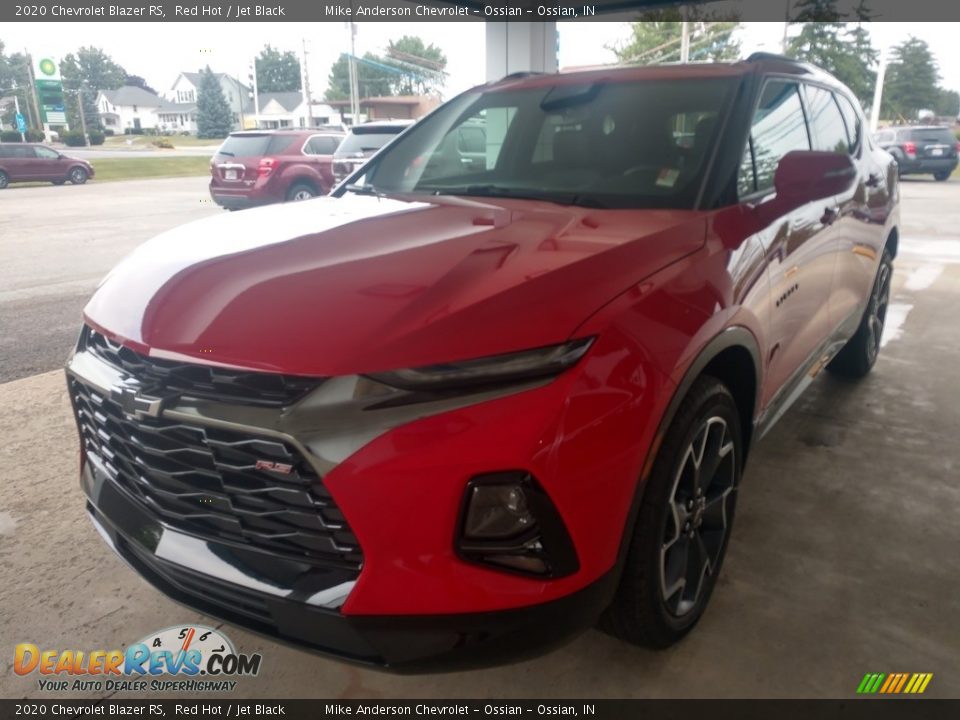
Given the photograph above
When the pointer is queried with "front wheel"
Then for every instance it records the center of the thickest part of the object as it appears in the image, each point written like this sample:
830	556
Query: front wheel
78	176
858	356
684	522
941	176
4	180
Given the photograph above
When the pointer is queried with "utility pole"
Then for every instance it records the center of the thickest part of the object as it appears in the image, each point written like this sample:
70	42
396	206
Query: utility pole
684	42
354	79
878	92
243	123
256	96
33	90
83	119
16	109
306	86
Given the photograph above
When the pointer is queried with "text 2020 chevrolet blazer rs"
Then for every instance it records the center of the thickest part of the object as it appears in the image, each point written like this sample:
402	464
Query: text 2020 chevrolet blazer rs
459	411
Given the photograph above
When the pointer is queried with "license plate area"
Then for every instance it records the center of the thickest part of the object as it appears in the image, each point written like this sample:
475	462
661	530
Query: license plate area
230	175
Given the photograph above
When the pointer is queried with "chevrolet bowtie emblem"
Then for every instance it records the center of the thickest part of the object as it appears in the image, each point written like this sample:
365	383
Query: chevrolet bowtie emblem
134	403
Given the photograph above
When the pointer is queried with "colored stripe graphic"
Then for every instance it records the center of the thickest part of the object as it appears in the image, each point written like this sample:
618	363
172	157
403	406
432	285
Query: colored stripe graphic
894	683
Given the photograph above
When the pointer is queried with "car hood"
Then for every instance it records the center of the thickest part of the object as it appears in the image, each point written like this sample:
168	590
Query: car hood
358	284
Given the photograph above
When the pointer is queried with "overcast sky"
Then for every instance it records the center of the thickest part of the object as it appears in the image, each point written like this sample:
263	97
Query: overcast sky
159	52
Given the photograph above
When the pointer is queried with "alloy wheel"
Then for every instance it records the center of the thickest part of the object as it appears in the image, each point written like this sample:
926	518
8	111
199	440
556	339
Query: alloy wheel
302	195
77	176
3	181
878	311
698	517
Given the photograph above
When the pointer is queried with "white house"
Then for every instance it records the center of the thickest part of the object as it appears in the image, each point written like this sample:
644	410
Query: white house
128	107
183	95
289	110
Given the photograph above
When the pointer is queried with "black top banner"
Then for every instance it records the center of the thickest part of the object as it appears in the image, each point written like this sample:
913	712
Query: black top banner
460	10
489	709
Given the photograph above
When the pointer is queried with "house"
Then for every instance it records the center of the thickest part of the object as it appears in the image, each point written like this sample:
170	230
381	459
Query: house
183	95
396	107
128	107
289	110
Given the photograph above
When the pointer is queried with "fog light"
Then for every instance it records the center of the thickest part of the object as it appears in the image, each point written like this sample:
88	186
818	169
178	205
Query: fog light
509	521
496	511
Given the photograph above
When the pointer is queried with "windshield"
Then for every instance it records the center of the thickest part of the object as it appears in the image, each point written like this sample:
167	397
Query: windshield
611	145
367	142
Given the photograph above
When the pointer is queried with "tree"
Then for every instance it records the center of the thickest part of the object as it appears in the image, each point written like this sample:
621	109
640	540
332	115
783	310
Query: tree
277	71
89	70
948	103
214	119
14	73
842	49
912	80
657	38
373	78
423	66
137	81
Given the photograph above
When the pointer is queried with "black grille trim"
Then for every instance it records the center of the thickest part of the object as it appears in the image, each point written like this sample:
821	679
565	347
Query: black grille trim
204	382
204	481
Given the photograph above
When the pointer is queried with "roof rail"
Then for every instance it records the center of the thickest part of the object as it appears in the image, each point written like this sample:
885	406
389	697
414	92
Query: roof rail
759	56
520	74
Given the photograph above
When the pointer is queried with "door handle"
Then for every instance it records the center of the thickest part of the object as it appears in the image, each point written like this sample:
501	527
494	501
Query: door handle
873	180
829	215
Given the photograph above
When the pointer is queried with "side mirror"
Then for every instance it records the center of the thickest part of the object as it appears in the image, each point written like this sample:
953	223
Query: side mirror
805	175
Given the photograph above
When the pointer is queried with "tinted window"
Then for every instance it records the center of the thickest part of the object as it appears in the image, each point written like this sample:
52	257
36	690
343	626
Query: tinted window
16	151
46	153
778	127
251	145
826	122
324	145
852	120
5	151
605	144
933	136
367	141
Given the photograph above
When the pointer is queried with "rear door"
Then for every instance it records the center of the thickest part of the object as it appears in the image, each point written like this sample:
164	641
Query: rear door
21	163
319	150
799	255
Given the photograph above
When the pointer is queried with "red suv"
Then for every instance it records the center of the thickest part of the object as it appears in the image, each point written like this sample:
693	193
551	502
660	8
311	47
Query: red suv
460	411
259	167
38	163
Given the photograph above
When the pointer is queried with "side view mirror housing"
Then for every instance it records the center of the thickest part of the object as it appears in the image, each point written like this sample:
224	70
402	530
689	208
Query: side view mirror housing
805	175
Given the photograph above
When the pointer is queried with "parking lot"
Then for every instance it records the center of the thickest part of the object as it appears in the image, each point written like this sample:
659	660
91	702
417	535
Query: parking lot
842	561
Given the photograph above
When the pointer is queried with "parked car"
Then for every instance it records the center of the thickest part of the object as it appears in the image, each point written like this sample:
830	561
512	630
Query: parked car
29	162
446	421
362	142
259	167
920	150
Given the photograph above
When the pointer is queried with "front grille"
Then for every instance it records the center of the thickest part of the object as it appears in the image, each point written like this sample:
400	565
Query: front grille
200	381
205	481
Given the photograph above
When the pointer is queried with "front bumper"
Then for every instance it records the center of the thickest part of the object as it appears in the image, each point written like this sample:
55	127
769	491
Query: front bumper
271	597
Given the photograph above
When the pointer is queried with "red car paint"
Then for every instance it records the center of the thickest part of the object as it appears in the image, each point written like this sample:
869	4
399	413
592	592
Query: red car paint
357	285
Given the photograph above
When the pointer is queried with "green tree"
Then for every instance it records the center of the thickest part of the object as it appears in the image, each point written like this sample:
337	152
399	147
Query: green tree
374	78
948	103
911	83
657	37
214	119
842	49
277	71
88	70
137	81
423	66
15	80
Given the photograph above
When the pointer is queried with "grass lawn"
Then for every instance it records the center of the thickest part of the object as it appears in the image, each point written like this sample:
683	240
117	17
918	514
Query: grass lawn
143	142
108	169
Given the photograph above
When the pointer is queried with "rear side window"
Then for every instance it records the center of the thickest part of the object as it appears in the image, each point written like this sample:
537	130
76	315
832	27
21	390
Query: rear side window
322	145
852	120
778	127
46	153
826	122
16	151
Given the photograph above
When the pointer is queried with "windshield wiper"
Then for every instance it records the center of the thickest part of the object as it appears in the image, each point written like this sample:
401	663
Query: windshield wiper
226	152
490	190
364	190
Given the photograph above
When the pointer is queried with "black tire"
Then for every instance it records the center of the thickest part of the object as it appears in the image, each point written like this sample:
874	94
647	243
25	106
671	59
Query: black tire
941	176
77	176
301	191
859	355
58	182
4	180
644	610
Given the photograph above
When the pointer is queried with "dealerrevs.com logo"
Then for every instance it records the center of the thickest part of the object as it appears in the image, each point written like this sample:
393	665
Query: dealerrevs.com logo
184	658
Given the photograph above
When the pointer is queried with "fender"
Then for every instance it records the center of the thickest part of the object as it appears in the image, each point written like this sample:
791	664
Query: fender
733	336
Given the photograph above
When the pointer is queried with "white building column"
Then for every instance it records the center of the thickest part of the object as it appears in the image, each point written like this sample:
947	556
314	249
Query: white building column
520	46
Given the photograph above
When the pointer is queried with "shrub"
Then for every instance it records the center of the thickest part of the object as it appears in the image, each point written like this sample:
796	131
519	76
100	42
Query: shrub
35	136
96	137
109	132
163	144
73	138
9	136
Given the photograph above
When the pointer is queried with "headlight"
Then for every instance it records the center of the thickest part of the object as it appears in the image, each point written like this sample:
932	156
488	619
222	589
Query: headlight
491	370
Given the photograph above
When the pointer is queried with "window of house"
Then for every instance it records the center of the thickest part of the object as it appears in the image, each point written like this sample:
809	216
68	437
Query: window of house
778	127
